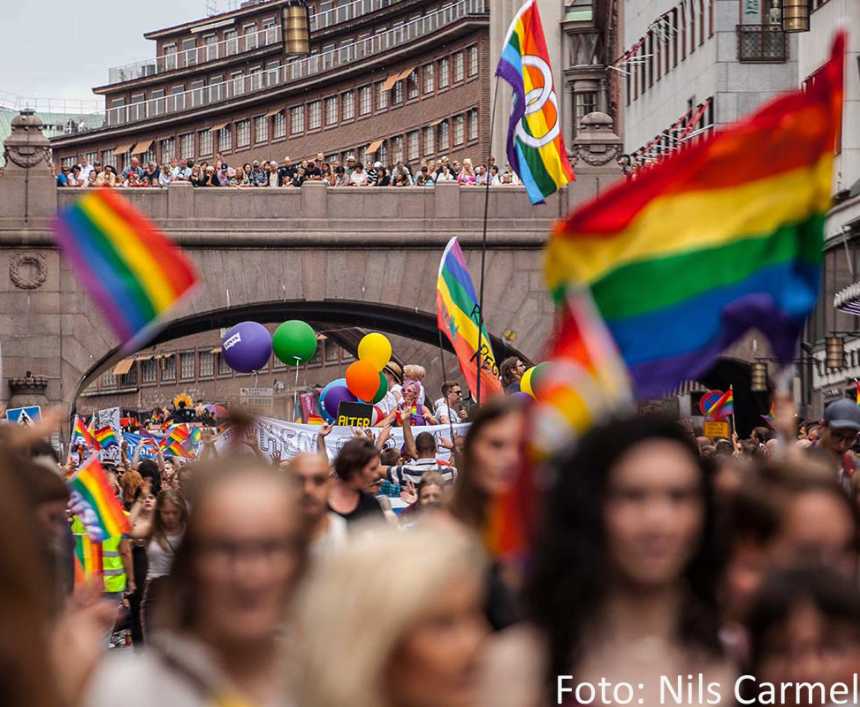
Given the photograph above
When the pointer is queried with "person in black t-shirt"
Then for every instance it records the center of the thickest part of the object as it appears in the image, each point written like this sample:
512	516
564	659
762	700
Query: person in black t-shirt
286	172
357	470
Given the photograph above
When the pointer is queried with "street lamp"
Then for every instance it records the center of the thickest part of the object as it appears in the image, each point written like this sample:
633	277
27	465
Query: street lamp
834	352
296	28
795	15
758	377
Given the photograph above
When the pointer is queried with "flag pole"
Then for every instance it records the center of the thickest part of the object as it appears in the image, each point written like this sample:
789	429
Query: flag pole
445	380
734	425
484	244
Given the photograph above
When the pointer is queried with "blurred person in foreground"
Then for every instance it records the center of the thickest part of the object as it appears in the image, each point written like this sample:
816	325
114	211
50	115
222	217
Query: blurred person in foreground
804	631
225	602
409	634
326	530
489	464
623	574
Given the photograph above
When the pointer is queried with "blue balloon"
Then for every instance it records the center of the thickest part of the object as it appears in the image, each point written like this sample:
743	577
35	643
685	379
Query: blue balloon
247	347
334	384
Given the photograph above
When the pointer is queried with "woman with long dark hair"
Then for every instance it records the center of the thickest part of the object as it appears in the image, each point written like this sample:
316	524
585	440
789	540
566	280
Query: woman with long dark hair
623	576
161	529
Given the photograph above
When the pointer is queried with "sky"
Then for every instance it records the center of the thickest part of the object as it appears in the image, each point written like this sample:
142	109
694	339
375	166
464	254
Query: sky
61	49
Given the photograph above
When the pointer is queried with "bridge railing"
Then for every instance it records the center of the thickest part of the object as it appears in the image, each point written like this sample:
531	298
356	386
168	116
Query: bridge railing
316	64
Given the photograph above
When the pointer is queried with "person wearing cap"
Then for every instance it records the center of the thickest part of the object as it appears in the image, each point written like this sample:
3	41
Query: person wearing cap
838	435
350	165
393	374
373	173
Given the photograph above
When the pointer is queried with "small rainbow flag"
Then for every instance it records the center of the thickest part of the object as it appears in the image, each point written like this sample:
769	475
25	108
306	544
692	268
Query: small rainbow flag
723	236
132	270
177	440
105	437
723	407
104	509
88	557
536	150
81	433
458	315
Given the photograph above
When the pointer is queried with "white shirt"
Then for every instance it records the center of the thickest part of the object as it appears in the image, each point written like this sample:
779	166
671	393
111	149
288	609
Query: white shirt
414	471
358	179
333	539
443	409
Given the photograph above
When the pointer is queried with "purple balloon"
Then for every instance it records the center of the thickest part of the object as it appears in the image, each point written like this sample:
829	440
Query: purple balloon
336	395
247	347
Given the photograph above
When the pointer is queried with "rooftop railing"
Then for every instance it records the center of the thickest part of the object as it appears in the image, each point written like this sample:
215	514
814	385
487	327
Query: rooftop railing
215	51
265	80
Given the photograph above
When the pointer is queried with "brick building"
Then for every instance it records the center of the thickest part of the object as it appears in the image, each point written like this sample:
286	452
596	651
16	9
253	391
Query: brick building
384	80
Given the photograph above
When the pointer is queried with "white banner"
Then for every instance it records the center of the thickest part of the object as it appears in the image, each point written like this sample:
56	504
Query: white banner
289	439
110	417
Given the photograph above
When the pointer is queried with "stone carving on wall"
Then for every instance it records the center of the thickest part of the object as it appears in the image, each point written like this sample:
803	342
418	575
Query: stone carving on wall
28	271
27	147
596	143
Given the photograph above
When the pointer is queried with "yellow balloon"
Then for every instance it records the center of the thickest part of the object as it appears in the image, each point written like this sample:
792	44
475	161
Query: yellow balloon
375	348
526	382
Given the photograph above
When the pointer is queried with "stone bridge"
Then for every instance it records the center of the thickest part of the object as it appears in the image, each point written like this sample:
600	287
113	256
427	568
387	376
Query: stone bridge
363	257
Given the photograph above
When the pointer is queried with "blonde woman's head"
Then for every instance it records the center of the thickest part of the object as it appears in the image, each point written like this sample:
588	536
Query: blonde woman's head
414	371
394	618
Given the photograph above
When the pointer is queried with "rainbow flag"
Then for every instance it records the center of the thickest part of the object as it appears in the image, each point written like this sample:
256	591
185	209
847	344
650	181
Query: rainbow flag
458	315
177	440
132	270
723	407
104	517
105	437
724	236
88	558
536	150
81	433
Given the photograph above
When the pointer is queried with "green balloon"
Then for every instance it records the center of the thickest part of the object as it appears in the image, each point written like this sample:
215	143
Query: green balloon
294	342
382	391
538	374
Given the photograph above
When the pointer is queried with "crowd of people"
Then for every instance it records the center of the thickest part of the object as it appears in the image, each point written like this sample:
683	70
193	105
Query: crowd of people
664	567
287	173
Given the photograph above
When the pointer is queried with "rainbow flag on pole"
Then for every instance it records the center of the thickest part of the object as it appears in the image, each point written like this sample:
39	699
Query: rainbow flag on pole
724	236
132	270
536	150
458	317
178	440
80	433
102	512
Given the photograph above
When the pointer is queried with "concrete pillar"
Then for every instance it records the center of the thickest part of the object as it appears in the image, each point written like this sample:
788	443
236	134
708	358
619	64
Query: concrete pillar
314	200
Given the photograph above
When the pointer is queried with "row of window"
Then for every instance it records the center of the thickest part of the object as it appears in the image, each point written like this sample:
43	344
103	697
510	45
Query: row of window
694	125
195	365
670	39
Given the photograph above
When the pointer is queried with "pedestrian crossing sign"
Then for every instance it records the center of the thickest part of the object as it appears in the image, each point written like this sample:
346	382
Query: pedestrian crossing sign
24	416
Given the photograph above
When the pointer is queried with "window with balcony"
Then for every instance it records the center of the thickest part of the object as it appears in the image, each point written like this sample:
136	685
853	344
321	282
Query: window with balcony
459	130
297	120
210	42
205	143
168	149
280	125
186	365
365	100
414	147
189	51
231	42
269	30
225	141
170	53
444	73
314	115
429	140
206	364
256	80
443	136
397	93
474	66
243	133
429	78
155	105
249	32
459	67
186	145
348	105
238	83
473	124
331	110
382	92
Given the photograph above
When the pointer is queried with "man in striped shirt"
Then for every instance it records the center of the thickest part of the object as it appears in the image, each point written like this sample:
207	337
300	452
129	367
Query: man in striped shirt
425	448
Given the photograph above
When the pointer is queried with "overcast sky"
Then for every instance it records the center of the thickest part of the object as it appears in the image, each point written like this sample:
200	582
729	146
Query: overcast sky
61	49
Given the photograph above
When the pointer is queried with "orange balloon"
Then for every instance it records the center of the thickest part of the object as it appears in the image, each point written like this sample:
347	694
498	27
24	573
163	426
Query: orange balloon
362	379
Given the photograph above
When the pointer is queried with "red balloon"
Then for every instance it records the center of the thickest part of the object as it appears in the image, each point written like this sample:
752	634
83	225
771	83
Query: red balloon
362	379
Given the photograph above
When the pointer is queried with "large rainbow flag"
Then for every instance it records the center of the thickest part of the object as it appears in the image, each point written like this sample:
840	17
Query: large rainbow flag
536	150
723	236
132	270
458	317
95	502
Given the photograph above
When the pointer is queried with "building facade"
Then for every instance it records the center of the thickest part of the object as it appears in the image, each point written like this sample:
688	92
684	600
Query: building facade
836	314
384	80
689	66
